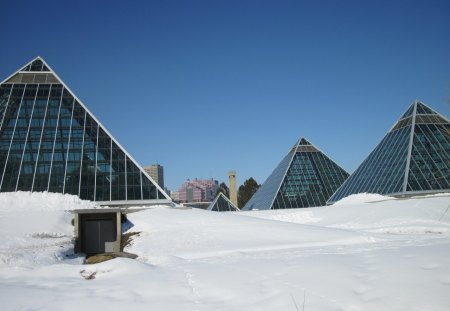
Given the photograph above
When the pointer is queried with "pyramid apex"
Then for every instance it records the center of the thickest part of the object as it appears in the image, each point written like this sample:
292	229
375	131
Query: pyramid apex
41	59
37	64
417	110
303	141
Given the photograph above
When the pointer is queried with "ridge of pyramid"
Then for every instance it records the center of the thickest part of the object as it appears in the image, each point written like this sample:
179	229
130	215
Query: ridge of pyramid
409	111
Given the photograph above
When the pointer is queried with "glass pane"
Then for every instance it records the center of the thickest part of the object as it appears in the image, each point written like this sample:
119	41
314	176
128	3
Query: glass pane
61	142
23	104
30	155
117	173
133	181
383	170
75	151
149	190
5	91
88	165
42	171
103	166
6	133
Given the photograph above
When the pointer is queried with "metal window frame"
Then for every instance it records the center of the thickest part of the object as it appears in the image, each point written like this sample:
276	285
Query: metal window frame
110	169
126	179
68	146
82	153
142	194
284	175
411	138
96	161
42	134
26	138
54	139
382	170
374	165
433	145
7	105
429	156
12	137
397	154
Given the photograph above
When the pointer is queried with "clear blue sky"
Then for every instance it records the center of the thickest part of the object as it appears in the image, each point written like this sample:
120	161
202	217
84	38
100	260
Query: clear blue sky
204	87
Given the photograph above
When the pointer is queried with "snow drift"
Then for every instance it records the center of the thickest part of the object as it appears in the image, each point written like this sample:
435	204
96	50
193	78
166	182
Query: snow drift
368	253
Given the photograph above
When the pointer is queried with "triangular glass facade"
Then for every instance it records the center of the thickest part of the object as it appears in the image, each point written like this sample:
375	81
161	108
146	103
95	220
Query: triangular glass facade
413	158
304	178
49	141
222	204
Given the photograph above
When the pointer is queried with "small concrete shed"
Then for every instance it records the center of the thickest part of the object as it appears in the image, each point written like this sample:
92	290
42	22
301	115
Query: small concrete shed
98	230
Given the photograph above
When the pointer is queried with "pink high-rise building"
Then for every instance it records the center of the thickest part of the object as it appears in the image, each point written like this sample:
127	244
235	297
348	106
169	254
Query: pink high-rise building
198	190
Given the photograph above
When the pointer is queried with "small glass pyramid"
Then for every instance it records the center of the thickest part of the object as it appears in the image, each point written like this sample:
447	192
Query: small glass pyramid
304	178
222	204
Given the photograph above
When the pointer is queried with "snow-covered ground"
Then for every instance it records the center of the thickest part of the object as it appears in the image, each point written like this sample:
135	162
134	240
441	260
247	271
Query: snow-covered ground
367	252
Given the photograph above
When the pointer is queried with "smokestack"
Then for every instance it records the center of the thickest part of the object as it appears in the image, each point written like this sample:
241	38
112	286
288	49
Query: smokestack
232	187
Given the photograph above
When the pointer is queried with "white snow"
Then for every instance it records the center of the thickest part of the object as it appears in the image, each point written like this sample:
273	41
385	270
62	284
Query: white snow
35	229
366	252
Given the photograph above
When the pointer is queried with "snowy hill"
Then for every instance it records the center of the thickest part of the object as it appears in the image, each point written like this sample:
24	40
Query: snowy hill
365	253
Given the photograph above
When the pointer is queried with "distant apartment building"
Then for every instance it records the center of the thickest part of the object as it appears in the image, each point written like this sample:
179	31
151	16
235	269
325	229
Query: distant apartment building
198	190
175	195
156	172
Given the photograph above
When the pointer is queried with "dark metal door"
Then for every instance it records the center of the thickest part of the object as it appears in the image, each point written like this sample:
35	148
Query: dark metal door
95	233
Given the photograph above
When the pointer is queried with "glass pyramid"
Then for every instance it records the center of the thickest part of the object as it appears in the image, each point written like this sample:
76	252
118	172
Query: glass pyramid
222	204
49	141
413	158
304	178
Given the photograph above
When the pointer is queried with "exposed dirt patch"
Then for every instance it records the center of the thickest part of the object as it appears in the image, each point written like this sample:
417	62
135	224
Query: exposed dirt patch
127	239
98	258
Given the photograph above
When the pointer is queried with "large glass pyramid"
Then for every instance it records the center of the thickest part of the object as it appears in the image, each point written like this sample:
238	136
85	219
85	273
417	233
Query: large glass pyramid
222	204
49	141
413	158
304	178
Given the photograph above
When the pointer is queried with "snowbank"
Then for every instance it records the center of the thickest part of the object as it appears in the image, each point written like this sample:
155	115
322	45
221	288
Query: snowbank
36	227
196	233
362	198
373	213
44	201
378	254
